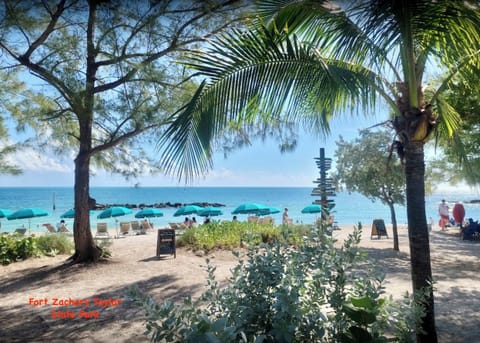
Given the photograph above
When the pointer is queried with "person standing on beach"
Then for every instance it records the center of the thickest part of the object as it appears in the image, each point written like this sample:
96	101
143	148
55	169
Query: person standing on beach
458	214
444	216
285	218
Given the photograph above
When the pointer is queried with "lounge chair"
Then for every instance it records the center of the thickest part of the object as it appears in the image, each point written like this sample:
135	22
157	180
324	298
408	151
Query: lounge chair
252	219
174	226
50	228
136	227
145	226
102	231
268	220
63	229
21	231
124	228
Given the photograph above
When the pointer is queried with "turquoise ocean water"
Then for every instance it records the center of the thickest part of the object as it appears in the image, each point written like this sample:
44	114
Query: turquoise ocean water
349	209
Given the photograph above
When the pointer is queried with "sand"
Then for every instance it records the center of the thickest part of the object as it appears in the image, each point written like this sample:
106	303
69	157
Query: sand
29	288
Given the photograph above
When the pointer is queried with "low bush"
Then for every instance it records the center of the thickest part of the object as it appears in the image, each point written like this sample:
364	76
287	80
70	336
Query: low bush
228	235
313	293
14	248
54	244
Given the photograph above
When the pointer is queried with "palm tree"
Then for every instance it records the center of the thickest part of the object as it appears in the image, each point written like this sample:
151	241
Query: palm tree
305	61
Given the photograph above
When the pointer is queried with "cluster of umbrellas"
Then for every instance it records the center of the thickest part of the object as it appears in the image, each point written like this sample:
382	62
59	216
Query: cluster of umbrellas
116	211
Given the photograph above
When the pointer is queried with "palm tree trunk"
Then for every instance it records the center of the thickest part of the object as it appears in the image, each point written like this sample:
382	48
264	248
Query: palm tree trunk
418	234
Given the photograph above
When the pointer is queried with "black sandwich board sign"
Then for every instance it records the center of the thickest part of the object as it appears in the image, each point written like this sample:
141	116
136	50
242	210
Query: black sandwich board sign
378	229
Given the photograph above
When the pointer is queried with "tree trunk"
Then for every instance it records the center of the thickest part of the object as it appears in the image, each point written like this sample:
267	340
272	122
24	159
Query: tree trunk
85	247
394	226
418	234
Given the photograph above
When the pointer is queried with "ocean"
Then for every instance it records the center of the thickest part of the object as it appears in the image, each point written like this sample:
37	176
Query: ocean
349	208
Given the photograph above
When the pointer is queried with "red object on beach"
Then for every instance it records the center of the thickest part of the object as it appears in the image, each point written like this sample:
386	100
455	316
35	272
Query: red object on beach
458	213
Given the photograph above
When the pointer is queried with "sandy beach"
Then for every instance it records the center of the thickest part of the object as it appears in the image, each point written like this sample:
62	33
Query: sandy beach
30	288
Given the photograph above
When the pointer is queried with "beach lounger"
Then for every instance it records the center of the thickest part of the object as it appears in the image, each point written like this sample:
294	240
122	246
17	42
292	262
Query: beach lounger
50	228
145	226
268	220
102	230
63	229
174	226
124	228
252	219
136	227
21	231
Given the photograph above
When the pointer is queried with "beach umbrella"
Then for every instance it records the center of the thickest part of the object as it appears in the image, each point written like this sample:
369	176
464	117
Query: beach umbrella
186	210
5	213
149	213
71	214
268	211
250	207
313	208
115	211
210	212
27	213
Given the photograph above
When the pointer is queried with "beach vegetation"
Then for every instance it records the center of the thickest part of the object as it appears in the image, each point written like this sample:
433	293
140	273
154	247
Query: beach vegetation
16	248
317	292
55	244
307	61
99	76
229	235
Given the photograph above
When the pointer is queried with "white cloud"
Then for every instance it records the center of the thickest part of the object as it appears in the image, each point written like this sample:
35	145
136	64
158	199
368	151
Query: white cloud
29	159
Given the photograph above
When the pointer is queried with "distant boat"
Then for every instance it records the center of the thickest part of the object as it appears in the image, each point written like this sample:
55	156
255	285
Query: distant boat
137	185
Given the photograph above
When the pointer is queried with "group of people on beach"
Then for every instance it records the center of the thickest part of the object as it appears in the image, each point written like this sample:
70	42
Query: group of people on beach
469	229
458	213
190	222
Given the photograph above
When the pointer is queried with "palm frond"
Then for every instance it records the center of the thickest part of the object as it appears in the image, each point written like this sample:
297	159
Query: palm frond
264	74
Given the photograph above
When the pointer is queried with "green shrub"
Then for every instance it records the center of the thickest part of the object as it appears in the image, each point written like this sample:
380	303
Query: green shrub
229	235
54	244
313	293
14	248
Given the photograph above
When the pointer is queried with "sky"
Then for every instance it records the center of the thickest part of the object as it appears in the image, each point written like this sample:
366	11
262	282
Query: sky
261	164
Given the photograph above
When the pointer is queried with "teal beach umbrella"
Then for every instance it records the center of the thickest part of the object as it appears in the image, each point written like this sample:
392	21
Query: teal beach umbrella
149	213
5	213
186	210
71	214
268	211
210	212
250	208
313	208
115	211
27	213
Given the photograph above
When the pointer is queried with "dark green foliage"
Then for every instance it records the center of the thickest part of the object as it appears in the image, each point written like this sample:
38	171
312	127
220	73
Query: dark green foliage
314	292
14	248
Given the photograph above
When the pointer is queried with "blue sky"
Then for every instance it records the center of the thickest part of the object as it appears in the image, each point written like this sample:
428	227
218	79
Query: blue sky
260	164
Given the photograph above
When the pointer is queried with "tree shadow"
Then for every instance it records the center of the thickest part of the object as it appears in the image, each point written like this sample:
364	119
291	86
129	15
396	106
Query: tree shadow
28	323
